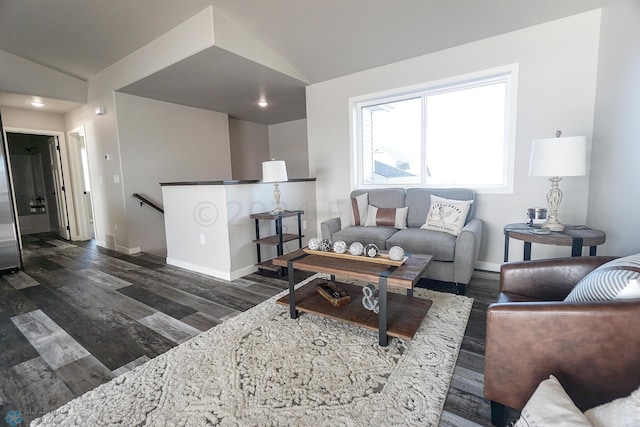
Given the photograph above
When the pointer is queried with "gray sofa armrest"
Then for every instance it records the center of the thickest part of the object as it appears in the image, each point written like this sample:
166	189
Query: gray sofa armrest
467	250
329	227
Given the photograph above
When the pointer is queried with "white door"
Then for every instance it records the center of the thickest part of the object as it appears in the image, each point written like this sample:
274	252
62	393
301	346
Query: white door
58	181
81	184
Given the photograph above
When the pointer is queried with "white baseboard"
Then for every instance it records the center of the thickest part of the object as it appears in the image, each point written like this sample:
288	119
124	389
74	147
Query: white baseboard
236	274
199	269
129	251
488	266
121	249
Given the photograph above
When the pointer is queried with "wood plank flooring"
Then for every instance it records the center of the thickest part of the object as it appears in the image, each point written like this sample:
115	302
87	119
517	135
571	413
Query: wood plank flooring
80	315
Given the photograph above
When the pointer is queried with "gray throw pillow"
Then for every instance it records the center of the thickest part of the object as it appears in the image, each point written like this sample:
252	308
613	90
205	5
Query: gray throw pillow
617	279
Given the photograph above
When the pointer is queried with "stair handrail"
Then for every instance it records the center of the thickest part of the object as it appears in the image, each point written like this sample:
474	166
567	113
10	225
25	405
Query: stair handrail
143	200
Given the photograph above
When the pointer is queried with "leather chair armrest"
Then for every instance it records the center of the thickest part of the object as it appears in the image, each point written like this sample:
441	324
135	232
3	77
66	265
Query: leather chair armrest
329	226
547	279
592	348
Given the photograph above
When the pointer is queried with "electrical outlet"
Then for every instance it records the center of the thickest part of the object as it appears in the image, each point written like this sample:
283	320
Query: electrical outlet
304	224
115	227
202	239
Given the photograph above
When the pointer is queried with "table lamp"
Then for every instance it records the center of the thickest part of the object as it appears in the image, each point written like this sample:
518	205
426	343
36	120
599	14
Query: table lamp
275	171
556	157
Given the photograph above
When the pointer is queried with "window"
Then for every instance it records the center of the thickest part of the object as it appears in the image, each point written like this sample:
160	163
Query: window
457	133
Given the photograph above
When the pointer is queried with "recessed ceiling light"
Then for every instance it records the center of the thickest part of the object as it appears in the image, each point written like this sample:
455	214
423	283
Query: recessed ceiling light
37	103
263	103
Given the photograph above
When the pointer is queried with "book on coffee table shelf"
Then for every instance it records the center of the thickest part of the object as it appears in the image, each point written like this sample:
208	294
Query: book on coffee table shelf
333	293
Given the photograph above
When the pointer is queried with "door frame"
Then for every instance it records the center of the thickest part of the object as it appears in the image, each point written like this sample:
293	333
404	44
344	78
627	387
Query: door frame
64	164
5	142
77	184
60	189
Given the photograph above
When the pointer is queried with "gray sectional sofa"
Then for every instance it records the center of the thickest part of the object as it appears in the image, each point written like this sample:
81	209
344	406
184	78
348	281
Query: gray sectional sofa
454	257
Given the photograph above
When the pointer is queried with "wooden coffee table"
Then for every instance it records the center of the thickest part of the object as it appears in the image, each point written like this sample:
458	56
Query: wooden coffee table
399	315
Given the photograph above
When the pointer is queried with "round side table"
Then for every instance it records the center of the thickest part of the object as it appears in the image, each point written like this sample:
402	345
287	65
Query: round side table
574	236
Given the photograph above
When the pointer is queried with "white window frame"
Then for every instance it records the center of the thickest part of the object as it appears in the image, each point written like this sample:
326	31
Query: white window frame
508	74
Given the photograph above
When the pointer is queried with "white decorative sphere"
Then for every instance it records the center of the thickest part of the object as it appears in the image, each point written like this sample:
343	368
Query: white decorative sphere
340	247
314	244
371	250
396	253
356	248
325	245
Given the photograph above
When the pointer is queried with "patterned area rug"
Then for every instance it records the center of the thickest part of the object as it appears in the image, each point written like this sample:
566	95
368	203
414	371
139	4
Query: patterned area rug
263	368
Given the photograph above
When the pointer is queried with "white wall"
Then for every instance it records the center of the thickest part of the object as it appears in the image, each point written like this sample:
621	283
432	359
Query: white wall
243	200
209	228
106	174
288	142
190	37
105	210
28	119
254	143
614	205
196	229
249	148
164	142
557	77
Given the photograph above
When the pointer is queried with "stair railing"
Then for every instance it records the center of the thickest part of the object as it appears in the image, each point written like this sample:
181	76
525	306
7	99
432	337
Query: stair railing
143	200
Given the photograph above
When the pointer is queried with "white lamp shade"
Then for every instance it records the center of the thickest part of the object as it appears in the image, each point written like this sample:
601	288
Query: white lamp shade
565	156
274	171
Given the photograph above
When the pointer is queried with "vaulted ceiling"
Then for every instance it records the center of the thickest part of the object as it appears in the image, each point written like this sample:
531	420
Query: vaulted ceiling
320	39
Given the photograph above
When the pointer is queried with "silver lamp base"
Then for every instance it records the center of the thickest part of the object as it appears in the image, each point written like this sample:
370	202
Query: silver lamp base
554	197
276	196
552	225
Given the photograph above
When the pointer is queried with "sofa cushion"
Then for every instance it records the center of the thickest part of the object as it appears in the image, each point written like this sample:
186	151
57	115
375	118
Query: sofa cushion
447	215
617	279
384	197
387	217
353	211
550	405
415	240
365	235
418	201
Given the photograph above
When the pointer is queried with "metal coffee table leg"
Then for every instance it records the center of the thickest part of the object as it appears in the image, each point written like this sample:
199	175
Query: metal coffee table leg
292	287
383	338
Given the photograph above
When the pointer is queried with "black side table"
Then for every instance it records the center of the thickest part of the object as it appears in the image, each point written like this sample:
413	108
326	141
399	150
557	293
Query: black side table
574	236
278	239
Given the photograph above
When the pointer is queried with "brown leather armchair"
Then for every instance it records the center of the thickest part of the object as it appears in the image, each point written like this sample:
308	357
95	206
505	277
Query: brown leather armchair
592	348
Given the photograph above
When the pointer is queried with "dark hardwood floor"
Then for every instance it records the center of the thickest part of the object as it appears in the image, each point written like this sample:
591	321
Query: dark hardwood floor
80	315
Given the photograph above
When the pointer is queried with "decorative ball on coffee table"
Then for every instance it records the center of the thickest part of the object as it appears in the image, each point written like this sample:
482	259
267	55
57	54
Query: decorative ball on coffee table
356	249
325	245
340	247
396	253
371	250
314	244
